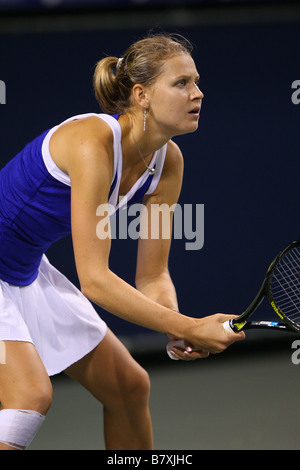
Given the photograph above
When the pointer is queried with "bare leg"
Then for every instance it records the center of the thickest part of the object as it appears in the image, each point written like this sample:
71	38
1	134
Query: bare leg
116	380
24	382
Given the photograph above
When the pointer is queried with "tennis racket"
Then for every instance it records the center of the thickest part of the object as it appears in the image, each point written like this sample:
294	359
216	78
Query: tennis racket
281	286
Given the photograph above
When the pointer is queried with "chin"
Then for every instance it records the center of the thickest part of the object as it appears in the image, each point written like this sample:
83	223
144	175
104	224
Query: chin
189	129
195	127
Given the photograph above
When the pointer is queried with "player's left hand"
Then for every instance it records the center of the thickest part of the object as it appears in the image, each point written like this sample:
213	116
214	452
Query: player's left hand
180	349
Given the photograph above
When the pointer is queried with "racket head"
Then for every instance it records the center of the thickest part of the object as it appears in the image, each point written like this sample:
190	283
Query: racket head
282	285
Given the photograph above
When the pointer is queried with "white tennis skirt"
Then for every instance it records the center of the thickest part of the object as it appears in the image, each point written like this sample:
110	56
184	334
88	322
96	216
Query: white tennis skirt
52	314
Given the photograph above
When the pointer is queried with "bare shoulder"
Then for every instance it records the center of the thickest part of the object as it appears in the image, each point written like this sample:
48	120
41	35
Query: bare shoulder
169	186
173	166
76	142
174	159
91	127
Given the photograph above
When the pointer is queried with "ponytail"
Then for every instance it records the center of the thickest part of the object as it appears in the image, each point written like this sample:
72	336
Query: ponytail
105	85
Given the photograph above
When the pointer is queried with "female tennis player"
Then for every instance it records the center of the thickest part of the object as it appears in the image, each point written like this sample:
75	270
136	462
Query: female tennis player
59	184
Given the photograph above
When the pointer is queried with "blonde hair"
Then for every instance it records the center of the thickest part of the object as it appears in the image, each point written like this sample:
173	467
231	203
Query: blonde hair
141	63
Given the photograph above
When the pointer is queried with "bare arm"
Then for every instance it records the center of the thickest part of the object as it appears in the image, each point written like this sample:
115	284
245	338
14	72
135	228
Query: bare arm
152	273
88	162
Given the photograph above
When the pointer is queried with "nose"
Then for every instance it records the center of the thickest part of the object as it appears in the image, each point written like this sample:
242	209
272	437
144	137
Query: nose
197	93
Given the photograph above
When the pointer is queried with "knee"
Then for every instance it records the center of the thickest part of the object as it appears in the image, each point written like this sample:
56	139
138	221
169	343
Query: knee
41	398
35	397
136	390
130	390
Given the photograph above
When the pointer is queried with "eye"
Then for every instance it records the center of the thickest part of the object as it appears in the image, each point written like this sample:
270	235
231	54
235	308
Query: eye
181	83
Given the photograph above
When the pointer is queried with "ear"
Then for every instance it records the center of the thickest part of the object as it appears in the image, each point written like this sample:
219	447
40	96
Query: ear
139	95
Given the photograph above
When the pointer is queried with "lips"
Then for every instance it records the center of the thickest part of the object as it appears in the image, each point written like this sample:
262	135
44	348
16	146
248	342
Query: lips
195	110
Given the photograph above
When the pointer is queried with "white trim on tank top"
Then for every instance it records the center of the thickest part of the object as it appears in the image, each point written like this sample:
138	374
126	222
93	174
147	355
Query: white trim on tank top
157	160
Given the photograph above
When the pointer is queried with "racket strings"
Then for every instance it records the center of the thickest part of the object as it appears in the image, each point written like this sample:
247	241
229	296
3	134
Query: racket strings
285	285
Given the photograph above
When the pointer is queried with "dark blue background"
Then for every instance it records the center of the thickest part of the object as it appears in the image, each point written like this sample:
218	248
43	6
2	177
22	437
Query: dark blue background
23	5
242	163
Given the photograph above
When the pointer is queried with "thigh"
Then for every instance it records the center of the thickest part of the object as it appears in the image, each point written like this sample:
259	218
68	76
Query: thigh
21	373
107	369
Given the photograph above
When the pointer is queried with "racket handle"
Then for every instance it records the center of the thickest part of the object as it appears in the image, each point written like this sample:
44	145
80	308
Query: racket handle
227	326
179	343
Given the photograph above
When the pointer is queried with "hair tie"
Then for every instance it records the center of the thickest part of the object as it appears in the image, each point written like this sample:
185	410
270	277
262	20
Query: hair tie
119	62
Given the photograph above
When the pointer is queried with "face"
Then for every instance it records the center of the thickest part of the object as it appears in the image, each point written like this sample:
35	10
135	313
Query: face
175	99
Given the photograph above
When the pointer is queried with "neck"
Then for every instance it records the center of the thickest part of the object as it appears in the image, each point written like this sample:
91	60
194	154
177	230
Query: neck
151	170
136	141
